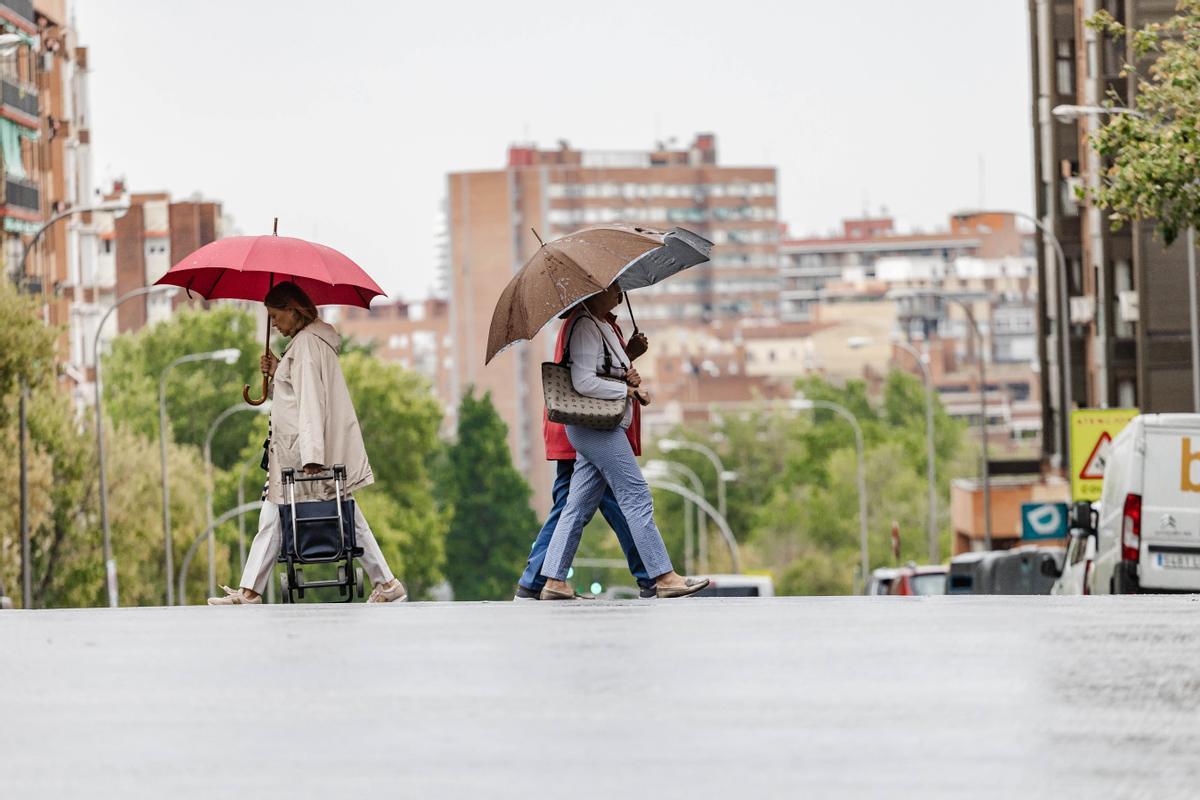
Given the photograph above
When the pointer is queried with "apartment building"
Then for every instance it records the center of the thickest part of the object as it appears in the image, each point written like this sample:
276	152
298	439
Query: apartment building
414	335
490	215
1129	328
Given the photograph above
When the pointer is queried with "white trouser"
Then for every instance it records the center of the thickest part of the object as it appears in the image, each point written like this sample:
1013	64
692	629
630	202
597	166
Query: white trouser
265	550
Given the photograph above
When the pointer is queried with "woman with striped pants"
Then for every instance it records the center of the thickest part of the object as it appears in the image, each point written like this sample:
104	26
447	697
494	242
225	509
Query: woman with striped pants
605	458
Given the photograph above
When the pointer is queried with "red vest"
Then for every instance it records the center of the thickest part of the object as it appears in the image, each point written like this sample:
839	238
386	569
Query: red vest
558	448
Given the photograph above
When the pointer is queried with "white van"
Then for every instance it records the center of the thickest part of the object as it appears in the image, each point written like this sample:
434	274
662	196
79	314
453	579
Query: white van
1149	528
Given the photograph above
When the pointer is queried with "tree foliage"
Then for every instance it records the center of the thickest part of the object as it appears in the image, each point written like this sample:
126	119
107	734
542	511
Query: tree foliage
794	504
1153	157
491	521
196	392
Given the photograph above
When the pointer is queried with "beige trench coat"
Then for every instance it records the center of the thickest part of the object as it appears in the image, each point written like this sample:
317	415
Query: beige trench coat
312	417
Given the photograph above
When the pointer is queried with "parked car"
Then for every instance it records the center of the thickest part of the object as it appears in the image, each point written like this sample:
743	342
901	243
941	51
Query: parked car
919	580
738	586
1028	569
1148	537
971	573
1081	551
880	581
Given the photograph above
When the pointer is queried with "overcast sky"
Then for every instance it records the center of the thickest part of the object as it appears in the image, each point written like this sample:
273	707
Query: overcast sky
343	118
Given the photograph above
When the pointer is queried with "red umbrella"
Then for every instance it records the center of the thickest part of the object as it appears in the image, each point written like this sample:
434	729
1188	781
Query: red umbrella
247	267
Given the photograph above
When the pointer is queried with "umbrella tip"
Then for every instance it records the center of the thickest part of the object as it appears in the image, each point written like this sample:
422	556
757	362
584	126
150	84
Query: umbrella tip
275	227
535	235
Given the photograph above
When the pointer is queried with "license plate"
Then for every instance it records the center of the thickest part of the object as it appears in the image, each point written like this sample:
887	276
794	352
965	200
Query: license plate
1178	560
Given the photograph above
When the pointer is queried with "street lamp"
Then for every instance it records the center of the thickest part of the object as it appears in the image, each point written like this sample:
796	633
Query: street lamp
208	489
1064	317
804	404
229	355
981	357
931	453
723	475
1070	113
663	468
110	563
6	46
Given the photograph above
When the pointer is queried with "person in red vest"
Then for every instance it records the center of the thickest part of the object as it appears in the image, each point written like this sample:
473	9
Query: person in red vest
559	450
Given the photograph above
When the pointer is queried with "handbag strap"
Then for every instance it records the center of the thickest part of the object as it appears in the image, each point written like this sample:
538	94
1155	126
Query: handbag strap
566	358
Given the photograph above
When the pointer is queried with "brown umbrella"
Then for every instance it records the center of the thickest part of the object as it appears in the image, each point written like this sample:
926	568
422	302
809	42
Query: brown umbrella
579	265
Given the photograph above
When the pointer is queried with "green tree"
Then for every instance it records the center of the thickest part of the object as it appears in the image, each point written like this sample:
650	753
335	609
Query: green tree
197	392
491	521
1154	157
794	504
400	418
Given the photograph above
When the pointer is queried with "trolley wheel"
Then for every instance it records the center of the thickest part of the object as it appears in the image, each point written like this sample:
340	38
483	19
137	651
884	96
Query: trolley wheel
285	587
359	583
346	589
299	582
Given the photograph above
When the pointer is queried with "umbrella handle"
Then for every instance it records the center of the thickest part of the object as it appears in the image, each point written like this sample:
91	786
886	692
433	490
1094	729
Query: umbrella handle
266	380
246	393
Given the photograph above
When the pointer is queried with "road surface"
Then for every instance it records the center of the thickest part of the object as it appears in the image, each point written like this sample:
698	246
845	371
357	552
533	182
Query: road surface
701	698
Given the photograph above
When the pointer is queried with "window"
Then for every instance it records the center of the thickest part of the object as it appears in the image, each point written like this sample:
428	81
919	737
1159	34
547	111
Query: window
1064	63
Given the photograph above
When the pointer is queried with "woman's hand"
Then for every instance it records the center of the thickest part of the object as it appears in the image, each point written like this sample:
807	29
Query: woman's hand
313	469
633	378
637	346
267	363
642	396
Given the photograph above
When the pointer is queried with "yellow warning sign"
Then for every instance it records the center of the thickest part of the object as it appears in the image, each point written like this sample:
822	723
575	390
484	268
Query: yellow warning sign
1092	432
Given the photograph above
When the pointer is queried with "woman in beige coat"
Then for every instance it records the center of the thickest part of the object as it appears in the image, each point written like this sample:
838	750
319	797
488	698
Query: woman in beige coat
313	427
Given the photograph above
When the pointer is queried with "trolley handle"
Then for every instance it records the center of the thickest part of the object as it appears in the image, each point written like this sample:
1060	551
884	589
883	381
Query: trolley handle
289	475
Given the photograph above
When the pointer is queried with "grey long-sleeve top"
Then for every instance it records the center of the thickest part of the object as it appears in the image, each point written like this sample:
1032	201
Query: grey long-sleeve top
587	362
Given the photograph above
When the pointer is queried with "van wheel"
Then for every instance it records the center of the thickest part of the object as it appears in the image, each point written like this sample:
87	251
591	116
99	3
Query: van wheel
1125	578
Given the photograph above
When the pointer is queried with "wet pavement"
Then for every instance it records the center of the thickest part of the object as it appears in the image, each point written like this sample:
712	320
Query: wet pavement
818	697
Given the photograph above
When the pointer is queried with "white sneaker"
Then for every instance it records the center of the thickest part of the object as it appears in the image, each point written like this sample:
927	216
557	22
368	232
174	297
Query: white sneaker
393	592
233	597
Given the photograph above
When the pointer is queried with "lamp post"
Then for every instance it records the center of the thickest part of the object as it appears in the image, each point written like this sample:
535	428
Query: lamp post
208	479
703	505
9	42
1064	321
723	475
1070	113
981	357
229	356
110	563
804	404
666	468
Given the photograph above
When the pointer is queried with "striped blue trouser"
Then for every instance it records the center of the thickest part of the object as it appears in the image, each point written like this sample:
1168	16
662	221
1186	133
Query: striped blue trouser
603	459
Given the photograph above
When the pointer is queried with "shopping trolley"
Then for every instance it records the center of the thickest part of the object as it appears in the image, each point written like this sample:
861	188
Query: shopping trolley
319	532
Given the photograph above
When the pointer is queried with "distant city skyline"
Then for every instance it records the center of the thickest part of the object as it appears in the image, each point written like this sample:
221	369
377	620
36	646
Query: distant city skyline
345	127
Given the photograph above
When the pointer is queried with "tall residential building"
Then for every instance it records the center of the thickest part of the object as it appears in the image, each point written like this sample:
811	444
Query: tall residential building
118	253
1129	334
414	335
491	213
42	142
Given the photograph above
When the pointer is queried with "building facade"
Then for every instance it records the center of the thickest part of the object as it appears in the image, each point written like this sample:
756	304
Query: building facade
1128	331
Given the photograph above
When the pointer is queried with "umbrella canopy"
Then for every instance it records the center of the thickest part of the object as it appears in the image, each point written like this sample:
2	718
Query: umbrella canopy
567	270
246	267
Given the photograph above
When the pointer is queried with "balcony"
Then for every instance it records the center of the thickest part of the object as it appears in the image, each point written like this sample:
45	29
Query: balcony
20	13
19	97
22	195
